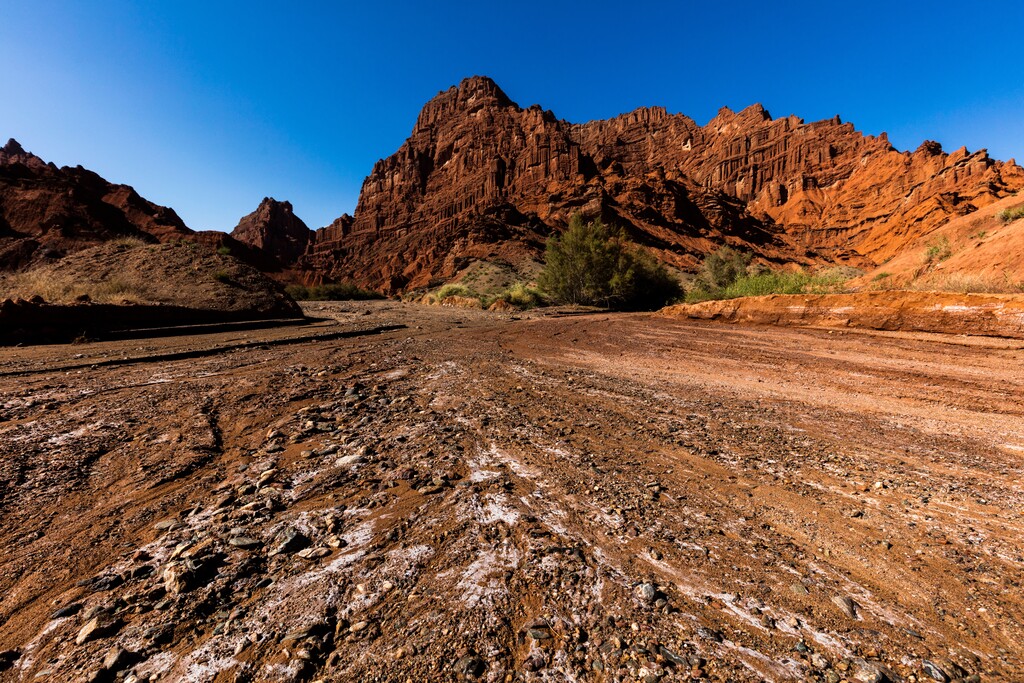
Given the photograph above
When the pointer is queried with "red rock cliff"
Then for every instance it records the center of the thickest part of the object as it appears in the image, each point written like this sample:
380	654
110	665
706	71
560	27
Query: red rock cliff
482	178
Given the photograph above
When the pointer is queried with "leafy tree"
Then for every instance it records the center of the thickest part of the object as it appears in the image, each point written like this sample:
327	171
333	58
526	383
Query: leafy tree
590	264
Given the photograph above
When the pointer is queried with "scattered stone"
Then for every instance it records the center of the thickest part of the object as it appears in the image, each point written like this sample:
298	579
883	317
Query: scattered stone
288	541
177	580
100	626
117	658
169	524
245	542
934	671
8	658
313	553
67	610
868	673
846	604
646	592
470	666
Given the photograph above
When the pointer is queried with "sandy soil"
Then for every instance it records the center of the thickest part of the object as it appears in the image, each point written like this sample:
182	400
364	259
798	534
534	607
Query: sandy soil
535	498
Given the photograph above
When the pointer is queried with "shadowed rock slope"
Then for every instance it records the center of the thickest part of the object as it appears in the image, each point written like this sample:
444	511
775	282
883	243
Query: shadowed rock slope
48	212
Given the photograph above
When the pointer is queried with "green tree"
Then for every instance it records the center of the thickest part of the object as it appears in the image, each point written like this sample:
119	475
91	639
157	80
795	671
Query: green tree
590	264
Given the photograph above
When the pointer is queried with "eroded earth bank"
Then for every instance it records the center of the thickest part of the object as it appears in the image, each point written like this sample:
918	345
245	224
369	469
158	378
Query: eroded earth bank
548	498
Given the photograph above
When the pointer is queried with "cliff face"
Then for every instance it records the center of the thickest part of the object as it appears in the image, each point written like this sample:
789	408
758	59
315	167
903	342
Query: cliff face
49	211
482	178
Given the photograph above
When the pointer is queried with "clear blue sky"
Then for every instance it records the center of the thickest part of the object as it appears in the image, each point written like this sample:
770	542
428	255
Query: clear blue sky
210	106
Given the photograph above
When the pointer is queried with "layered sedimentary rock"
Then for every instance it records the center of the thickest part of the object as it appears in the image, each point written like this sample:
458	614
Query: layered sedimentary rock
481	177
274	228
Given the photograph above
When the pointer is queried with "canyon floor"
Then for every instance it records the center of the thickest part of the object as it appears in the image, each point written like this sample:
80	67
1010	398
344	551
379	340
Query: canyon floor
407	493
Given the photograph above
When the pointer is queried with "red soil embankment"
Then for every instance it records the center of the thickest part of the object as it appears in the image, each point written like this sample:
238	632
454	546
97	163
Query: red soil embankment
1000	315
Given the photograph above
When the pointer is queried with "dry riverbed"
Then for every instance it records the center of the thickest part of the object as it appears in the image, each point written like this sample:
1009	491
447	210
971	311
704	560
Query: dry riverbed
459	495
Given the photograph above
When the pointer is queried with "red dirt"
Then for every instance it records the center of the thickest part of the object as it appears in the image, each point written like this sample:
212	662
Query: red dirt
594	497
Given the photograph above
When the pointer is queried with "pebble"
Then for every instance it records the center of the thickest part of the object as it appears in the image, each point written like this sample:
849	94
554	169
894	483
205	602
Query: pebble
67	610
100	626
646	592
313	553
868	673
8	658
846	604
289	541
934	671
117	658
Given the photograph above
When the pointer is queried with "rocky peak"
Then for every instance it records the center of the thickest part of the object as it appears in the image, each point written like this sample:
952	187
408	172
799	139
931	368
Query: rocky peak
470	96
14	153
274	228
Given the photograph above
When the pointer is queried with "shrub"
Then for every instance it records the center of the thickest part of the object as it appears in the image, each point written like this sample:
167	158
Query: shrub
345	291
1010	215
723	267
453	289
590	264
224	251
221	276
520	295
938	250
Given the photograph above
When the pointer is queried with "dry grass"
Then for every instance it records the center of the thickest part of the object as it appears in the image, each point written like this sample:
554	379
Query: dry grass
56	288
963	283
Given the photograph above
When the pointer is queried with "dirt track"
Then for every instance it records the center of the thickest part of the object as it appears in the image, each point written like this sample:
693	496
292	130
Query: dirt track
571	498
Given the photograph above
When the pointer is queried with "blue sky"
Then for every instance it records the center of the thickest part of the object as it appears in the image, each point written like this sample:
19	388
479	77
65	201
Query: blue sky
207	107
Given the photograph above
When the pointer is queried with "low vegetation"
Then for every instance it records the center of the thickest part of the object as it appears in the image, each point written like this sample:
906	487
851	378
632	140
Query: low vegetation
966	283
593	265
344	291
55	287
1010	215
519	295
728	274
938	250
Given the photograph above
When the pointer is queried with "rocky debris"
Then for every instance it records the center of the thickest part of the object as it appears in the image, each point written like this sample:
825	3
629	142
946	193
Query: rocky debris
846	604
379	509
1000	315
99	626
289	541
8	658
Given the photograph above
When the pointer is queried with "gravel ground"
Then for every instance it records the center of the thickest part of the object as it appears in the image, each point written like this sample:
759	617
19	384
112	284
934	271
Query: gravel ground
407	493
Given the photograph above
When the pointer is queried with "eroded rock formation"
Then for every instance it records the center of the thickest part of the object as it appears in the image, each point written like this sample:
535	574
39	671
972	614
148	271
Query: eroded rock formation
481	177
274	228
49	211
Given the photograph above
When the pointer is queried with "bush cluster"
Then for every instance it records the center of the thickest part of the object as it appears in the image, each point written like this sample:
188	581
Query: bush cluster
520	295
592	265
727	274
1010	215
344	291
